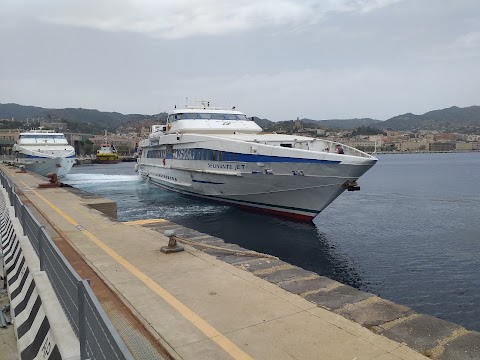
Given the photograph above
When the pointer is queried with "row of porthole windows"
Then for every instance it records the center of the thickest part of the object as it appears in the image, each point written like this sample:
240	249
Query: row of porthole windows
194	154
42	137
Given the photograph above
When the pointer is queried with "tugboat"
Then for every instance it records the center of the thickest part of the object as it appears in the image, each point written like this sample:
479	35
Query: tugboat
107	154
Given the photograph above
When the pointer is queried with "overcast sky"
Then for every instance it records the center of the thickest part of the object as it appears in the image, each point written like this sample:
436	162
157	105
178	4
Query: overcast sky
276	59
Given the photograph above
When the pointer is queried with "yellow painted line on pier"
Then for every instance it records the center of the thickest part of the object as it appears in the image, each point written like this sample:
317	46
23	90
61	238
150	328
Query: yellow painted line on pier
213	334
144	222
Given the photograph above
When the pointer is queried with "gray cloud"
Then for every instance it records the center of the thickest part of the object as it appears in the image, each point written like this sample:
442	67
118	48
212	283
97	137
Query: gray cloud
173	19
275	59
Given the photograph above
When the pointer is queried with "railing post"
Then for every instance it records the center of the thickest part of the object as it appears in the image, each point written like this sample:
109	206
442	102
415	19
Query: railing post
40	247
10	195
23	218
3	275
82	326
15	210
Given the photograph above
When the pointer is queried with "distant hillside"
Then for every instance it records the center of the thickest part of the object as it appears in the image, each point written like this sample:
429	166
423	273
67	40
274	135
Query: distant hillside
347	123
268	125
263	123
98	119
451	119
465	120
19	112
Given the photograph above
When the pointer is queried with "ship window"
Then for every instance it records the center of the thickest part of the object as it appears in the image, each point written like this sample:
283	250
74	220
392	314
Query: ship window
42	136
198	154
169	151
206	116
187	116
286	145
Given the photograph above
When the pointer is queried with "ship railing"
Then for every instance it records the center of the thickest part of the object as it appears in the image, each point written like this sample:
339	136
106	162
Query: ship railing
331	147
97	336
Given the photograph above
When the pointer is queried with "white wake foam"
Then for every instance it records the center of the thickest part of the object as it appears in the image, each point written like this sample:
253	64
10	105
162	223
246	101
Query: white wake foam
72	179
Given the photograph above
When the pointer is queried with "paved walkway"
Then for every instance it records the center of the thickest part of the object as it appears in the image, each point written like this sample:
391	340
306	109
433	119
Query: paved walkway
8	341
200	307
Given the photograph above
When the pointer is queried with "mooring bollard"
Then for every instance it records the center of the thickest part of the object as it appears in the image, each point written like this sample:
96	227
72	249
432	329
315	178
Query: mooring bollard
21	169
172	243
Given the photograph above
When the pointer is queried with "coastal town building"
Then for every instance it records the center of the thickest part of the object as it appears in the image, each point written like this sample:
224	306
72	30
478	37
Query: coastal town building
441	146
8	137
467	146
412	145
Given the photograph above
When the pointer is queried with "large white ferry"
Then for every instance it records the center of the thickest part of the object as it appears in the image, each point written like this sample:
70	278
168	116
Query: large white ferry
222	155
44	152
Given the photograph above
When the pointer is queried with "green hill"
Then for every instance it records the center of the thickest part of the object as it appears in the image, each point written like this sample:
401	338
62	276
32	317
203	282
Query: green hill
347	123
94	118
451	119
465	120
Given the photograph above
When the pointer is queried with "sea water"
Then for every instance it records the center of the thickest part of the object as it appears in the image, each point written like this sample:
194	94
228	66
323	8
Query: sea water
411	235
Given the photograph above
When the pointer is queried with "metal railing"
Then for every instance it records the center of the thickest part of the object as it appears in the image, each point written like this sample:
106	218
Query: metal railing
97	336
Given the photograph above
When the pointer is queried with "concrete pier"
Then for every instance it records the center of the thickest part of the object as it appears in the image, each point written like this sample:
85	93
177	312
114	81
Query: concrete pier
219	301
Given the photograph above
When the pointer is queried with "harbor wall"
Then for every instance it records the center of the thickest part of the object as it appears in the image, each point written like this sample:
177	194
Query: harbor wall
430	336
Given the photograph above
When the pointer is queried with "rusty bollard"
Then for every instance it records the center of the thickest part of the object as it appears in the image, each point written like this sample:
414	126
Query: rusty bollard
172	243
52	181
21	169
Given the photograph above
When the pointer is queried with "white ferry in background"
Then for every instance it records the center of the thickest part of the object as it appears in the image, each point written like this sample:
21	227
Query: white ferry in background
221	155
44	152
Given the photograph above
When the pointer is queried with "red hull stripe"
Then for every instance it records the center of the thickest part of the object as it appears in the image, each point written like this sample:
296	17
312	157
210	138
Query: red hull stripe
298	217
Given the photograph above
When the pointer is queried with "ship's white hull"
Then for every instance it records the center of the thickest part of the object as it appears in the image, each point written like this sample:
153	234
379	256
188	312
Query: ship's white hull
44	166
44	152
300	197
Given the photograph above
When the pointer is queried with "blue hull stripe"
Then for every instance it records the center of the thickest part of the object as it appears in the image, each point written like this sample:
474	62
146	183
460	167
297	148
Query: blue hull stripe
45	157
207	182
227	156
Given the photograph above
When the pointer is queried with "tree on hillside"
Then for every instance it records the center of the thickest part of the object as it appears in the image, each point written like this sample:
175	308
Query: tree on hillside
87	147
